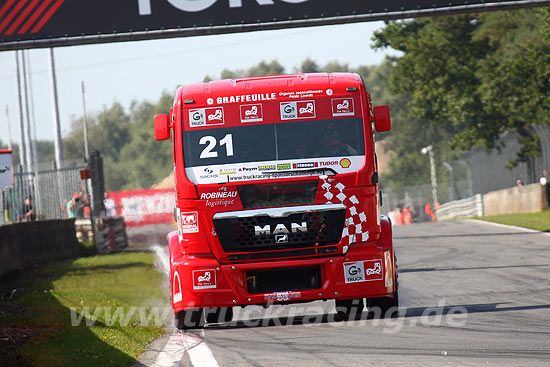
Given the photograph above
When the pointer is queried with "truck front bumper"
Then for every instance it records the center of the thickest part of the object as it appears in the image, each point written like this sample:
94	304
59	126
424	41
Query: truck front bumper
366	270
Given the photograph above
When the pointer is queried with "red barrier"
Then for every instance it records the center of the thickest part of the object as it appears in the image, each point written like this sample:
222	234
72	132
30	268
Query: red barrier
141	207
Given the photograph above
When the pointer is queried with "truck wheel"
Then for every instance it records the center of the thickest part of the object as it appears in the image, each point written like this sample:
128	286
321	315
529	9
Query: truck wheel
219	314
190	319
384	307
349	308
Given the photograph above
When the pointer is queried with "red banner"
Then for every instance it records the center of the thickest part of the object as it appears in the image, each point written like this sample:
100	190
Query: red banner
142	207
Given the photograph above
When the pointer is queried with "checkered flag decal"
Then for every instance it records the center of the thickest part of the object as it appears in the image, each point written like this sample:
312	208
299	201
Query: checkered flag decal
353	229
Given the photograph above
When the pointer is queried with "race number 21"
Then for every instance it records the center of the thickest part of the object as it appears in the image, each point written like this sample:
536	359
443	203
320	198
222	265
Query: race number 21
211	142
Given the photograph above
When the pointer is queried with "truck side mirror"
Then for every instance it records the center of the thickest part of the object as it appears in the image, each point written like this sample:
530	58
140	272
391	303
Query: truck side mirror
382	120
162	127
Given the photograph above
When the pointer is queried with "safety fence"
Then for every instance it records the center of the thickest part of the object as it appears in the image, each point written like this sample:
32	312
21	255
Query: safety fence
465	208
479	172
49	191
518	199
489	172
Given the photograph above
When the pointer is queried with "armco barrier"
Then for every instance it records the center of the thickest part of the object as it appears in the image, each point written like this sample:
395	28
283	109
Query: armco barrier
23	244
517	199
465	208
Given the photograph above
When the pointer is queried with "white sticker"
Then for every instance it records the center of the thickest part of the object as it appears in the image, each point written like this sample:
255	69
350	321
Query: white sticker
189	222
206	116
342	107
204	279
289	111
354	272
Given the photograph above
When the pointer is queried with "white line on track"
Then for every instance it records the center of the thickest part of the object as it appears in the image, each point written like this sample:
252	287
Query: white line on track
180	342
508	226
191	342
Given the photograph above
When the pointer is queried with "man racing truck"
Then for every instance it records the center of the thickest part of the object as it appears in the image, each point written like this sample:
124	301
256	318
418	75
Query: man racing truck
277	196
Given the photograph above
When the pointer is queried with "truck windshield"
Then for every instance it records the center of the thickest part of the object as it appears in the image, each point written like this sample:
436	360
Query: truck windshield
277	150
274	142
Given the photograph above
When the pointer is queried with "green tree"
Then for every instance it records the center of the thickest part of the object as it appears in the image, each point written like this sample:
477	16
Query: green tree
475	76
144	160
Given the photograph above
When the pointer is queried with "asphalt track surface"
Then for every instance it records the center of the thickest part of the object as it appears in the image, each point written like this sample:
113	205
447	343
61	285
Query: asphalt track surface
471	294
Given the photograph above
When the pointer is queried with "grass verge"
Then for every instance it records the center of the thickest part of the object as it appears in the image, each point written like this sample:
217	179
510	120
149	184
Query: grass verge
113	294
539	221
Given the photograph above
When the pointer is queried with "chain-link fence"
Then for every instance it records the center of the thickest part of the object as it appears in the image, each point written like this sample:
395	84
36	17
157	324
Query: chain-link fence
479	173
489	172
50	192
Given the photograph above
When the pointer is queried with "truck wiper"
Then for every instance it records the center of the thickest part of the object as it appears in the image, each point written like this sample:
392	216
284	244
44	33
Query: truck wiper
322	170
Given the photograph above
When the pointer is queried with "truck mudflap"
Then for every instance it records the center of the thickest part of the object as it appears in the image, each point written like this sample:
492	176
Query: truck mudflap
367	270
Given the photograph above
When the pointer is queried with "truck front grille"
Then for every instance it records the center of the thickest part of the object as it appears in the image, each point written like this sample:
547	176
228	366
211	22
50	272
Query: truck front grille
260	231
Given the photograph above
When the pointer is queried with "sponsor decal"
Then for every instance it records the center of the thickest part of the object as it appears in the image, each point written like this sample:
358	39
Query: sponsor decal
210	101
373	270
176	288
297	110
354	272
288	111
206	116
300	94
330	92
196	118
227	171
269	167
218	195
224	203
328	163
243	98
248	169
204	279
305	165
283	166
189	222
208	173
252	113
363	271
214	116
342	107
282	296
306	109
345	162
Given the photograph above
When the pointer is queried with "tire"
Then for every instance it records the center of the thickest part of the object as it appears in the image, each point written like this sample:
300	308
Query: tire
349	308
384	307
189	319
218	315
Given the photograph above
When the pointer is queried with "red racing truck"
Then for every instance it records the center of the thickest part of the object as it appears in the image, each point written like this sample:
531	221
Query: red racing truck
277	196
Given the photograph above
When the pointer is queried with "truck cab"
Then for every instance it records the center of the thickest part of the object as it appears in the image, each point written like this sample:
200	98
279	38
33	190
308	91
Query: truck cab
277	196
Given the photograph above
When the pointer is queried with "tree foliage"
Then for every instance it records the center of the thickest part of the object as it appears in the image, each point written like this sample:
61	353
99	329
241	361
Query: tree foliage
474	77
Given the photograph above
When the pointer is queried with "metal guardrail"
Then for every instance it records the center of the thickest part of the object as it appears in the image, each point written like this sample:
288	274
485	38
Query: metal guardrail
465	208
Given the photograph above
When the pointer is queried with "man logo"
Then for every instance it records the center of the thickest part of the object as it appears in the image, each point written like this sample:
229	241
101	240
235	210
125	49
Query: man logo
280	229
281	238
